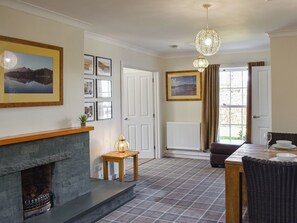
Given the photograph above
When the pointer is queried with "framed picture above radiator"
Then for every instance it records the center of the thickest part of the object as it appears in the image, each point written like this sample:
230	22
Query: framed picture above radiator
183	85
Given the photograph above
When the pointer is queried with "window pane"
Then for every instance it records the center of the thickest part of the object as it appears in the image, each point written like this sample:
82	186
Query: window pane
236	79
236	133
244	78
236	96
225	97
236	116
244	115
243	133
224	132
224	79
224	116
244	96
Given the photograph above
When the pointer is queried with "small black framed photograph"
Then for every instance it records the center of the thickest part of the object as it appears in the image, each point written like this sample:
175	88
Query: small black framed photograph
88	64
104	110
104	66
104	89
90	111
89	88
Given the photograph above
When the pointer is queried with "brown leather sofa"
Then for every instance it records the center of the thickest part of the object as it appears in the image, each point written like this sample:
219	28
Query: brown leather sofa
220	151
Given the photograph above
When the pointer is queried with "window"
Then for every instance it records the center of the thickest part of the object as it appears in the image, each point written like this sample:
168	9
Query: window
232	111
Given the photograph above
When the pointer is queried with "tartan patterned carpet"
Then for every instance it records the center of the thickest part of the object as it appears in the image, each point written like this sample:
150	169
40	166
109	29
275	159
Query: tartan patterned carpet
174	190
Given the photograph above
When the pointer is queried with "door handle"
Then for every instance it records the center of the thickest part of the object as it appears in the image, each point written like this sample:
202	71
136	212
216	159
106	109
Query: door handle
256	116
126	119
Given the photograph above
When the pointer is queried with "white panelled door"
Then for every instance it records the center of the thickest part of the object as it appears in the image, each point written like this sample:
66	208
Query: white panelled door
261	103
138	111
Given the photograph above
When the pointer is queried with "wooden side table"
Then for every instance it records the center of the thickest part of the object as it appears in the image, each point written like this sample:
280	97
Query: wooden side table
119	157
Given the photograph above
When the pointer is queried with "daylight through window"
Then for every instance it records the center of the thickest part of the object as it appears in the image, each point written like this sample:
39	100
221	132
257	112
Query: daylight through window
233	97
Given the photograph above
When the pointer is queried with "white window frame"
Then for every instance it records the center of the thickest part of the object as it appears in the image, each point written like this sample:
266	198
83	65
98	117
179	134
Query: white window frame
229	125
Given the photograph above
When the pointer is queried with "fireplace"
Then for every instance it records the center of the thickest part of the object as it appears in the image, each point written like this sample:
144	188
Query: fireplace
62	157
37	190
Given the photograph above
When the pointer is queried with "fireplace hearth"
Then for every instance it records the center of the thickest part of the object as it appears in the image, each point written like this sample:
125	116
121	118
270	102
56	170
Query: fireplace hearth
37	190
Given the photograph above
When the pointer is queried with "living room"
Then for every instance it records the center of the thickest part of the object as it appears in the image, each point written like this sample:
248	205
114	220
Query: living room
22	21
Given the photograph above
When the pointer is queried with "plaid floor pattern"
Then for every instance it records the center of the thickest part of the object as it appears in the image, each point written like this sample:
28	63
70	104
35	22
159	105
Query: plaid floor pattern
174	190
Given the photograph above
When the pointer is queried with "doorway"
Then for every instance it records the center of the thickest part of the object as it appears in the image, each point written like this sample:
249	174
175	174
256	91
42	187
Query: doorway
140	111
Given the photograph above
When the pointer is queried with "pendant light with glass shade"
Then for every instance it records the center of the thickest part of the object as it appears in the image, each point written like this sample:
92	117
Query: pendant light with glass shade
207	41
200	63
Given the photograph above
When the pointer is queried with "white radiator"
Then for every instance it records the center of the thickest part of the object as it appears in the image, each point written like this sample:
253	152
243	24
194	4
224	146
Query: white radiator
183	135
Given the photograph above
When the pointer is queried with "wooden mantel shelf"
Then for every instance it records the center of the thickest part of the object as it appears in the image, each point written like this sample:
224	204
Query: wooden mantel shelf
43	135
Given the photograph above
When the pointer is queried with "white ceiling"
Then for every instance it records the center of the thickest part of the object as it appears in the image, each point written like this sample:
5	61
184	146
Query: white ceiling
153	25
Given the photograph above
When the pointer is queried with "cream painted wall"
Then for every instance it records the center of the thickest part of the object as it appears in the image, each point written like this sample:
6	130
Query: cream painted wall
24	120
21	25
284	82
107	131
184	111
190	111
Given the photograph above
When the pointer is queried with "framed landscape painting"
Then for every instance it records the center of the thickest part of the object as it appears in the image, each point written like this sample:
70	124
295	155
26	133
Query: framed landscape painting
104	66
31	74
88	64
183	86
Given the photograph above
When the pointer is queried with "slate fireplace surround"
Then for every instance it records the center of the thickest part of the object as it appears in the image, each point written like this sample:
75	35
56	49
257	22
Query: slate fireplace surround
70	178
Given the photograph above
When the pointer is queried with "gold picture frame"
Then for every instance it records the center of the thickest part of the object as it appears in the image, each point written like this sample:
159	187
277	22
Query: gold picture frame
31	73
183	85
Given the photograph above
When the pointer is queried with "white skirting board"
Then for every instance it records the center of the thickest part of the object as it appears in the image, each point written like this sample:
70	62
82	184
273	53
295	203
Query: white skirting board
183	135
187	154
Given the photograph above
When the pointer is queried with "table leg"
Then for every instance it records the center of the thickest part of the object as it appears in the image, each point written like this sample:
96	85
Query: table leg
233	202
121	170
105	169
135	160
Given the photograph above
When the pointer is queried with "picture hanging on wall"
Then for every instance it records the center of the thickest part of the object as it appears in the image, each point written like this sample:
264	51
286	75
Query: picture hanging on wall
104	110
89	88
104	66
183	86
90	111
31	73
104	89
88	64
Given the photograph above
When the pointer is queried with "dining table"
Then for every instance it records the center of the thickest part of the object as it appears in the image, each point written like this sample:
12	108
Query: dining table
235	190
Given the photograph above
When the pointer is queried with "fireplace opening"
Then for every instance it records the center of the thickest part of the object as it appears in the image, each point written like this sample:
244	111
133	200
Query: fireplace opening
37	190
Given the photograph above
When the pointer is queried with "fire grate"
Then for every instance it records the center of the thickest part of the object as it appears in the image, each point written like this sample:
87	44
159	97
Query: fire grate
38	205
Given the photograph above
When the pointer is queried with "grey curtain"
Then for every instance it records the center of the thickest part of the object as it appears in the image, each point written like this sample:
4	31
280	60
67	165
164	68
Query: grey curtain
210	106
249	100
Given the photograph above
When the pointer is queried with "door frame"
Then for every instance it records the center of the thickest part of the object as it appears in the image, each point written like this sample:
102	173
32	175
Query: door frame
156	102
